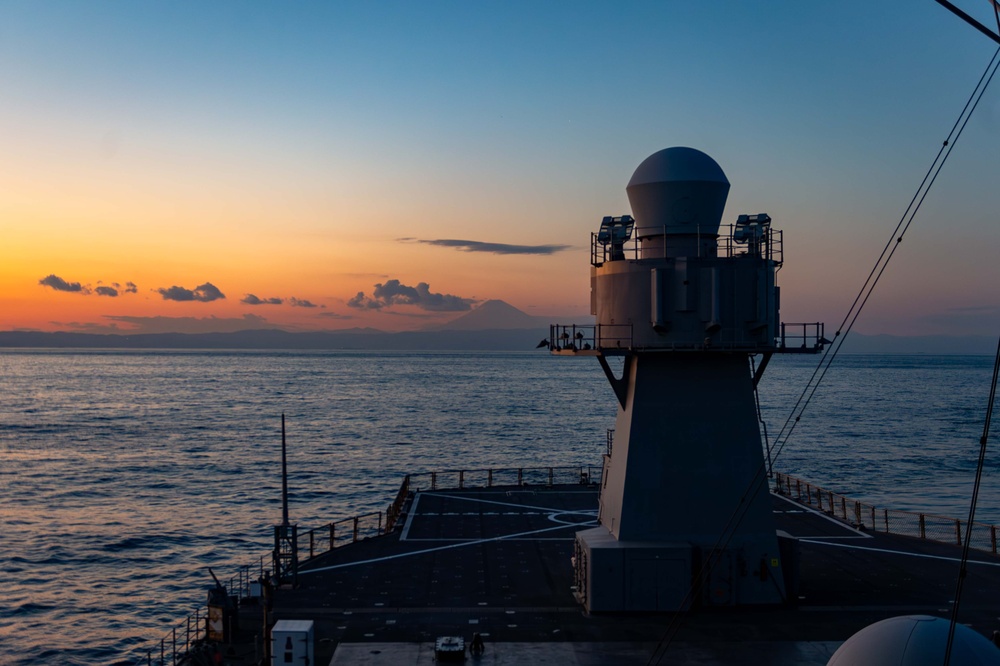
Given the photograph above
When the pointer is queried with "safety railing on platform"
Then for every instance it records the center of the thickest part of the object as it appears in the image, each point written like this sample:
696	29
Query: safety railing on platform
891	521
190	636
726	242
585	337
511	476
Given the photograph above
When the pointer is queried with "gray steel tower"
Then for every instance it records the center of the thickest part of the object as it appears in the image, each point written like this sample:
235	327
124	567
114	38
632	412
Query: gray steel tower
684	482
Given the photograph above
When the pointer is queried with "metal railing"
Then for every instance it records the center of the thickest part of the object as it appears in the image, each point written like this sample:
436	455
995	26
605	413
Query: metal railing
584	337
510	476
801	337
770	245
190	635
891	521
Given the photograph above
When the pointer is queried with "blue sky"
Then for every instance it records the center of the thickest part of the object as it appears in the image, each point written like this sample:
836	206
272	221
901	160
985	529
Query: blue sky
284	149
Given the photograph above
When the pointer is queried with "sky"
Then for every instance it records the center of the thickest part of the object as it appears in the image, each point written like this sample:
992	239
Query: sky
192	166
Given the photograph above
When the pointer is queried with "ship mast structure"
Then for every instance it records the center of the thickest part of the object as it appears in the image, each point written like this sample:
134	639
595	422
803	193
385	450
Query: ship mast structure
687	306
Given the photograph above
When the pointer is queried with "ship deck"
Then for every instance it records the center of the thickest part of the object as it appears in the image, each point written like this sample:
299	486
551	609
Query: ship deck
497	561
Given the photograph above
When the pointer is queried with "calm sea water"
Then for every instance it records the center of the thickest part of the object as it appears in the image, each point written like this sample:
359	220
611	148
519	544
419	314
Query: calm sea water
126	475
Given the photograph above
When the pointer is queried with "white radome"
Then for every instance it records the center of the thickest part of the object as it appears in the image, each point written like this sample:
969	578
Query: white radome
914	640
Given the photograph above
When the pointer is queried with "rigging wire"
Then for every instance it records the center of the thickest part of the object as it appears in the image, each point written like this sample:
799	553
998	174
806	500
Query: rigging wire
886	256
760	419
830	354
963	570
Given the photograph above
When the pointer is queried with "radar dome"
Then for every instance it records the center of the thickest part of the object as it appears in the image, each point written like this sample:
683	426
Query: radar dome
681	190
914	640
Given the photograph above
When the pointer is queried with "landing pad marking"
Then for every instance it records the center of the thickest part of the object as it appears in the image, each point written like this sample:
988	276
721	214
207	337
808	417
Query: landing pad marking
550	513
844	526
432	550
898	552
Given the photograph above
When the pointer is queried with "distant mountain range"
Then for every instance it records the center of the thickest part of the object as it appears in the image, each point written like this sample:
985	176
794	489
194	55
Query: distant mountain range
494	315
493	326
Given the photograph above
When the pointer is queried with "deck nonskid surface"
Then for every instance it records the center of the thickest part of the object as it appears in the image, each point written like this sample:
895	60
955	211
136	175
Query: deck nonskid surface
497	561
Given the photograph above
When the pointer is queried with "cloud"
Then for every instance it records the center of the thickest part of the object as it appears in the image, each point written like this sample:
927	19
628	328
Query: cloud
204	293
393	292
362	302
112	289
250	299
301	303
335	315
494	248
59	284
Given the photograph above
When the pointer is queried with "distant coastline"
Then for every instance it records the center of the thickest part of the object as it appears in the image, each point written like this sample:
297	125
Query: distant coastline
442	340
357	339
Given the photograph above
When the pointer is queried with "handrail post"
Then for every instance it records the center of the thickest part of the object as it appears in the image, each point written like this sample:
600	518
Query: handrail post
520	471
885	517
333	532
355	529
380	522
958	532
434	478
461	478
173	635
489	478
550	476
993	538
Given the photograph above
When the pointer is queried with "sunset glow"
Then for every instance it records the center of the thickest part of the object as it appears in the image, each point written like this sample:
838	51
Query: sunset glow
295	156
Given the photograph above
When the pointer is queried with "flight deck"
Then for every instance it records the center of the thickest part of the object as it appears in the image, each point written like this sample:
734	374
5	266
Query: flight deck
497	561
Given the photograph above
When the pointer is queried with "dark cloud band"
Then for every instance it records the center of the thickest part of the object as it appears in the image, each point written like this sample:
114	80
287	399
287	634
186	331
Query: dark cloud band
204	293
496	248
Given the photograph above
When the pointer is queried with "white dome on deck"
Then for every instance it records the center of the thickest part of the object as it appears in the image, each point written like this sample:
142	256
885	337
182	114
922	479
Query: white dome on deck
914	640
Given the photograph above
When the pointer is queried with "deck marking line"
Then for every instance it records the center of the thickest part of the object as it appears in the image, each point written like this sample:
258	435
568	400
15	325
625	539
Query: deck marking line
899	552
546	509
439	540
432	550
835	521
409	518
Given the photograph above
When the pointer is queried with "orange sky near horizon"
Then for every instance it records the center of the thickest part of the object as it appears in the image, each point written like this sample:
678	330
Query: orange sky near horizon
310	153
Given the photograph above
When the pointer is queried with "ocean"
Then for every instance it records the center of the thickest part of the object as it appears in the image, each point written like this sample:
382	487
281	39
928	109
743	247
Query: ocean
127	474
